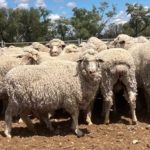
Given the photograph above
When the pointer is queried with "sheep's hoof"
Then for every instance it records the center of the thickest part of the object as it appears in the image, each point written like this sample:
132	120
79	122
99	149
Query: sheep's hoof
20	121
79	133
134	122
8	135
106	122
90	123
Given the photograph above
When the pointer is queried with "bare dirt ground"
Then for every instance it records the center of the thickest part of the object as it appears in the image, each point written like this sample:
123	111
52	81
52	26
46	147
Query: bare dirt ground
118	135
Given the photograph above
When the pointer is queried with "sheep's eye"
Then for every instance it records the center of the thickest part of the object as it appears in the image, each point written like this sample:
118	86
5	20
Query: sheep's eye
122	42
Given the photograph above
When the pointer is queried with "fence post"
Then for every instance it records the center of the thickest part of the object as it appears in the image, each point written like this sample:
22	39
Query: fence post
3	43
78	41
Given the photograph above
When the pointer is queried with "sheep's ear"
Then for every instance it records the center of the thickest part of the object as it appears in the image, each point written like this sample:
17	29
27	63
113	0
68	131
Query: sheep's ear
47	45
80	60
19	56
63	46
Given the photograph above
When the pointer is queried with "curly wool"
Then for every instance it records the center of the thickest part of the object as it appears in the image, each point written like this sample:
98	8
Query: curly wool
116	60
40	47
141	56
8	62
44	88
99	44
126	41
114	57
48	87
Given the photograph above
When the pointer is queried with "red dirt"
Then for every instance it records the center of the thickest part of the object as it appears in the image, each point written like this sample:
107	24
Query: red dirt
118	135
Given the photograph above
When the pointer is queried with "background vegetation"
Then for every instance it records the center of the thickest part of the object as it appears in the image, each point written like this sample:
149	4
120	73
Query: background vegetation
33	24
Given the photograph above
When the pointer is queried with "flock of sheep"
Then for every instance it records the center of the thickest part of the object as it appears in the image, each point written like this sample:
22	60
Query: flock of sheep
39	79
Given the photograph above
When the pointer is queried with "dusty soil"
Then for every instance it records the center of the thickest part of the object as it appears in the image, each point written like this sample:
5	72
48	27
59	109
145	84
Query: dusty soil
118	135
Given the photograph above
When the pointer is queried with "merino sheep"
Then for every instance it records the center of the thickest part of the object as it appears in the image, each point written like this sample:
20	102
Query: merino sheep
8	62
71	48
118	67
126	41
12	51
56	46
45	88
141	56
40	47
100	45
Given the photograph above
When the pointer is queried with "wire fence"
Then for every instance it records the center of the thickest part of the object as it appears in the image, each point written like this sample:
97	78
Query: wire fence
21	44
77	42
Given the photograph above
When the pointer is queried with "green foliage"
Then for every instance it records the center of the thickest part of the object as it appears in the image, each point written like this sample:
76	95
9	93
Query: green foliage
23	24
140	17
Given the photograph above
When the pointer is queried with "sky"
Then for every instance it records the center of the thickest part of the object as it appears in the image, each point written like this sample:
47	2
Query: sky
64	7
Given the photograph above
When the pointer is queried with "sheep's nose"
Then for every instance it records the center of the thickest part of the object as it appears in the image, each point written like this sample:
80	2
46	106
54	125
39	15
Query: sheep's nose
91	72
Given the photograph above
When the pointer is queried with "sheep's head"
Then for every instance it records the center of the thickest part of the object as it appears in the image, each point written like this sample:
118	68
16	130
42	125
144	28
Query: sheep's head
71	48
30	57
56	46
35	45
89	65
122	40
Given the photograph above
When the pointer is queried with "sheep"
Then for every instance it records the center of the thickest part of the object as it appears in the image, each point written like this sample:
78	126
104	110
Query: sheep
40	47
56	46
45	88
118	67
71	48
8	62
100	45
141	39
141	56
126	41
12	51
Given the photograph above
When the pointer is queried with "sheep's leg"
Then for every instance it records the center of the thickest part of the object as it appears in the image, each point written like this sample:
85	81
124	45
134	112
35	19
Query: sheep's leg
5	103
89	113
75	124
147	96
132	103
103	109
48	123
108	105
8	122
114	104
88	118
28	122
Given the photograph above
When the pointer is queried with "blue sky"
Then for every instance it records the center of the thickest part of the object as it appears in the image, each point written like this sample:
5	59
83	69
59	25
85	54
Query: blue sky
64	7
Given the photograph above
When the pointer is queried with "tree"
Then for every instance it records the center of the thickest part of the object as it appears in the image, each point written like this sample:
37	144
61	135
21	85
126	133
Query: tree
62	27
18	25
105	14
86	23
140	17
3	23
91	22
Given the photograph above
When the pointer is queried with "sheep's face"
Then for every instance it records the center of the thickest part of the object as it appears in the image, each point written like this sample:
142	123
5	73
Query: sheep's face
90	67
120	43
29	59
55	50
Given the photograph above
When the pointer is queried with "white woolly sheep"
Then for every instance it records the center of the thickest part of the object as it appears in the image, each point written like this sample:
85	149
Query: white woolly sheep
56	46
8	62
45	88
118	67
141	56
40	47
126	41
99	44
71	48
12	51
